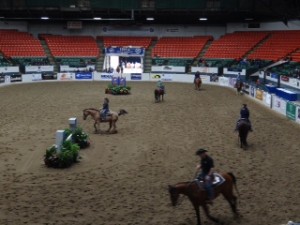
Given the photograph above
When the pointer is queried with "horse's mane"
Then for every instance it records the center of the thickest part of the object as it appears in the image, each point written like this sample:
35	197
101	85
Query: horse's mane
91	109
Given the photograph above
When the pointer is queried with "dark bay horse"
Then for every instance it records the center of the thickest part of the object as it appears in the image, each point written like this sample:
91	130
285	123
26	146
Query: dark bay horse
243	129
198	197
159	95
197	83
239	86
111	119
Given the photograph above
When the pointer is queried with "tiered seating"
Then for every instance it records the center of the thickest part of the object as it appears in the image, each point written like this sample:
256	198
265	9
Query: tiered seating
15	44
126	41
278	46
234	45
179	47
72	46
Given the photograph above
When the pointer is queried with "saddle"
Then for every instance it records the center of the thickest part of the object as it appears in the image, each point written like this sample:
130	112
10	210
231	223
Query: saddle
218	179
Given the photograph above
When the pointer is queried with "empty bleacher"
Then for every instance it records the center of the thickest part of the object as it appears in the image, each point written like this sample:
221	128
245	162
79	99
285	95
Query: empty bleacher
21	45
109	41
179	47
278	45
234	45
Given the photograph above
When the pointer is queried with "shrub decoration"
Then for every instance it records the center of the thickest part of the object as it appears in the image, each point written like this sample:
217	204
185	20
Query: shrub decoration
79	137
117	90
69	151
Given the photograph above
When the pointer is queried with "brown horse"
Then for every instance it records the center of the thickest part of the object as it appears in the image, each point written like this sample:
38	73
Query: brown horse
198	197
243	129
197	83
159	95
239	86
112	118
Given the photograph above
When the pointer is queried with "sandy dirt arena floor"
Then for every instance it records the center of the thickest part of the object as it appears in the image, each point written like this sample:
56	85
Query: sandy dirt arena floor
122	179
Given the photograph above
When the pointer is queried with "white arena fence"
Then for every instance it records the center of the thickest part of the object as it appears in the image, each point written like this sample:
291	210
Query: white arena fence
289	109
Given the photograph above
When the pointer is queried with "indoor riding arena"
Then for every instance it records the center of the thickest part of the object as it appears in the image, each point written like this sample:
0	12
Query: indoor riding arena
123	178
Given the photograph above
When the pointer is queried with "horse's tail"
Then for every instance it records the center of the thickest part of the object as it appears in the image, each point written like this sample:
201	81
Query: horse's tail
234	182
122	112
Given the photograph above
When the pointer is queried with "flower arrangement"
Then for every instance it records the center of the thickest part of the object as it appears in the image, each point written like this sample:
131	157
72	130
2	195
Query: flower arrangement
117	90
69	151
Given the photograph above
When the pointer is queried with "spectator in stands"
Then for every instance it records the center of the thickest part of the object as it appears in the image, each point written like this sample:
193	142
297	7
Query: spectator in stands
244	115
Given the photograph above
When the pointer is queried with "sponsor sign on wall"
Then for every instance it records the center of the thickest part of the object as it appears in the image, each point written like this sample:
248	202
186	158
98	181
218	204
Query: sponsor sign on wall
15	78
224	81
135	76
2	79
298	114
155	76
30	69
177	69
125	51
267	99
259	94
207	70
166	77
106	76
83	76
279	105
65	76
9	69
291	111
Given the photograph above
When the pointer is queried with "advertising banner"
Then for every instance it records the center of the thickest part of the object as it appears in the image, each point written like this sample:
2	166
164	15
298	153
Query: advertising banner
177	69
224	81
9	69
207	70
279	105
49	76
155	76
267	99
30	69
83	76
2	79
32	77
125	51
65	76
16	78
135	76
252	91
259	94
291	111
298	114
106	76
166	77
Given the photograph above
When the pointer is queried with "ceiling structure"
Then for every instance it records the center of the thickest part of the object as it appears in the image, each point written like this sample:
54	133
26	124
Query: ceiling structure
161	11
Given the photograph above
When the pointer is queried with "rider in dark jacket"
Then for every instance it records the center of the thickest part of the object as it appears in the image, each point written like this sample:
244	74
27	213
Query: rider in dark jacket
244	115
197	75
105	109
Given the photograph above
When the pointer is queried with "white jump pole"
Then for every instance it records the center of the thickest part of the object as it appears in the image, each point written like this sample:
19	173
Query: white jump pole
60	135
73	123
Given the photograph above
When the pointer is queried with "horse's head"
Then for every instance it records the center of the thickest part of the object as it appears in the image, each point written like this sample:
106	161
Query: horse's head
85	114
174	195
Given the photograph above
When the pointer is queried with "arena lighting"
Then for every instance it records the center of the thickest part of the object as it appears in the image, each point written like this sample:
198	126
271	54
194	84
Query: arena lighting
97	18
150	18
44	18
203	18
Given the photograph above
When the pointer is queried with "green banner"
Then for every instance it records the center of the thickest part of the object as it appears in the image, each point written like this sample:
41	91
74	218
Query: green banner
291	111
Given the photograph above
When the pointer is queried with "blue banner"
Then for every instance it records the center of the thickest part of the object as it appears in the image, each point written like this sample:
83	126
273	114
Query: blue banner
106	76
83	76
125	51
136	76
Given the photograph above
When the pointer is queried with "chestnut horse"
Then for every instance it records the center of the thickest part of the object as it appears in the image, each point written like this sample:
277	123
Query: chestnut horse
159	95
243	129
112	118
197	83
198	197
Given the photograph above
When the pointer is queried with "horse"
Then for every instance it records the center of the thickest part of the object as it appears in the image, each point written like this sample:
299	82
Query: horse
197	83
159	95
112	118
239	86
243	129
198	197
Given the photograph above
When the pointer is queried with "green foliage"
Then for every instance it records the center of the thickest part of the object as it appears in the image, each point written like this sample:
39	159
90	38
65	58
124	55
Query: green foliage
118	90
69	151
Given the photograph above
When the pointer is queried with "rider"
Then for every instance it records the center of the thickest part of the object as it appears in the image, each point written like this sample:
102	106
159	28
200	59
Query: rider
197	76
244	115
207	168
105	109
160	86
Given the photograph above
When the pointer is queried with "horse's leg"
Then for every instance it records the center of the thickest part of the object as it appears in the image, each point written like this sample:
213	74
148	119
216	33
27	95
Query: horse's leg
95	126
232	200
109	126
162	97
196	207
206	210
